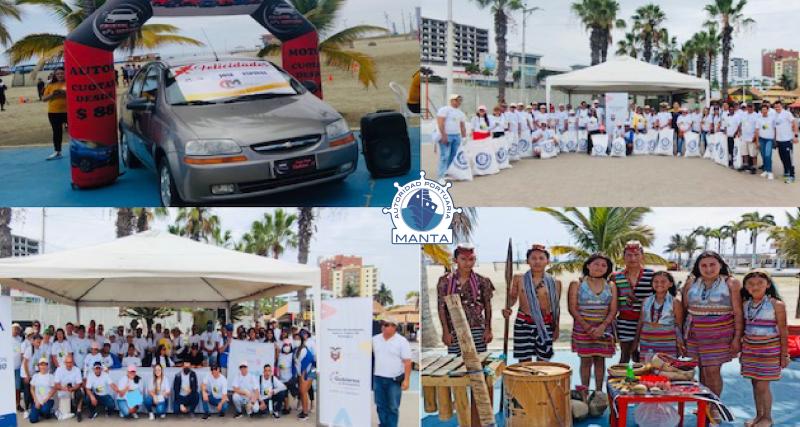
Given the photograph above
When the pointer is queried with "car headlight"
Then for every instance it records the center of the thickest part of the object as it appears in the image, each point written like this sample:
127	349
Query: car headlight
337	129
212	147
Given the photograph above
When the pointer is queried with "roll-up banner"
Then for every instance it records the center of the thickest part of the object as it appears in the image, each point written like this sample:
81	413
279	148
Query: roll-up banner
8	413
89	66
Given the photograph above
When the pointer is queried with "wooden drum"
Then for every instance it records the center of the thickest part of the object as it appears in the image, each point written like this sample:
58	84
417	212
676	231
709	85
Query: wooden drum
537	394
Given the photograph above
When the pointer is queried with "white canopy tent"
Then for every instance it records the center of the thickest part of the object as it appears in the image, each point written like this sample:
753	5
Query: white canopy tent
626	74
154	269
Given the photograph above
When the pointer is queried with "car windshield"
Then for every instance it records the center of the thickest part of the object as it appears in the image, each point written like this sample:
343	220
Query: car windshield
227	81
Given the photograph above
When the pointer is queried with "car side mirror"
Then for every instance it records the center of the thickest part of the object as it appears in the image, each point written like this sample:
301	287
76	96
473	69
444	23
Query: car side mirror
140	104
310	85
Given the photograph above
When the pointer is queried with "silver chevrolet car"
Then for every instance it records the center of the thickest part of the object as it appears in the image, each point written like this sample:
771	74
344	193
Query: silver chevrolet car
231	128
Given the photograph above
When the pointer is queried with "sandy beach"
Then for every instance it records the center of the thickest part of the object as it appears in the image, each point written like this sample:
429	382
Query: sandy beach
579	180
787	286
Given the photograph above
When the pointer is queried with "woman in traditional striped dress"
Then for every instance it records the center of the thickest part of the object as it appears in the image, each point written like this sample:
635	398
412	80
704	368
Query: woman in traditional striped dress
659	329
713	327
593	305
765	349
634	285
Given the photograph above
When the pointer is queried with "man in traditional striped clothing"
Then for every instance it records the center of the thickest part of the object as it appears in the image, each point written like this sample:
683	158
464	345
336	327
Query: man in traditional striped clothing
539	294
634	284
476	298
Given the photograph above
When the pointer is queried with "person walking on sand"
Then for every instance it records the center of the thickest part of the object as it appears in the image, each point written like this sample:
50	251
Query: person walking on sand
452	129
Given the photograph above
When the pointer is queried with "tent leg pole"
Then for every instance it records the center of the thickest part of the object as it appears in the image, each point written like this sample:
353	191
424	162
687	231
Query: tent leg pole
78	313
228	314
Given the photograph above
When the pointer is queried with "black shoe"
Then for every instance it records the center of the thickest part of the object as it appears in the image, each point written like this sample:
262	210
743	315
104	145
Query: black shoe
276	415
237	416
302	416
221	414
205	416
79	416
19	409
93	416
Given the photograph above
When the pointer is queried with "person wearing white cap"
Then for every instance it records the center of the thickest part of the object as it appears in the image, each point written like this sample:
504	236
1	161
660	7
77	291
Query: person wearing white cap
476	297
16	350
184	389
245	392
497	122
526	121
31	354
697	118
90	359
601	113
452	129
42	390
480	124
684	123
732	126
748	144
392	370
98	390
512	119
69	383
129	384
537	137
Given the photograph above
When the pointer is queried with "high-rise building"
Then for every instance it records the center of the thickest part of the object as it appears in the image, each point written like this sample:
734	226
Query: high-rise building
470	42
23	246
769	57
364	279
789	67
326	267
739	69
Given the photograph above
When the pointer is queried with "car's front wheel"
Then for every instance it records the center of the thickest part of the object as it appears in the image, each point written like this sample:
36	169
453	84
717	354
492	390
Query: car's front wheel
167	189
128	158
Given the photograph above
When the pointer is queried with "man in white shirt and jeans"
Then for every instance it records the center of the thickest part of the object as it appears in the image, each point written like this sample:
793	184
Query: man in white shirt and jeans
452	129
392	371
785	137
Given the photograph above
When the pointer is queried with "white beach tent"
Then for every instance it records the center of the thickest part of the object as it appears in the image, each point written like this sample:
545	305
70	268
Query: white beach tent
626	74
154	269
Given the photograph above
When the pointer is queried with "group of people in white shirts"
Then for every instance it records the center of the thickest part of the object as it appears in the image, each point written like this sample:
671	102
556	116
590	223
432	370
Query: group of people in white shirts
61	372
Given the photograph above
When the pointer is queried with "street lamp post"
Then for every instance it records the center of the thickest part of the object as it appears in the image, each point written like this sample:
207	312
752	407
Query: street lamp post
449	50
524	61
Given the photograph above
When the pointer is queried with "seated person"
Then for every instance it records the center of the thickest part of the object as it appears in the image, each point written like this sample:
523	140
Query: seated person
98	391
42	390
271	390
69	383
185	390
215	392
130	384
245	392
130	358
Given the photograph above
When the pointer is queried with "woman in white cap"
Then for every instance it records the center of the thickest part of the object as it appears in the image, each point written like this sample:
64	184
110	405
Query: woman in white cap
480	124
43	387
497	122
133	384
684	123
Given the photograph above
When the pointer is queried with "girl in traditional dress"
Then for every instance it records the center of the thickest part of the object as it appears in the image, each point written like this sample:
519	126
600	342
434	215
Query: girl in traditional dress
713	326
593	305
634	285
765	348
661	318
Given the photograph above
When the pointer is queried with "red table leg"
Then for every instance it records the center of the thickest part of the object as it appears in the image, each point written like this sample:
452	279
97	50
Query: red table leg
680	411
623	412
701	413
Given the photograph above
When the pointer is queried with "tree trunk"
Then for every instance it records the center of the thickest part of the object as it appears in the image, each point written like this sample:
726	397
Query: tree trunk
606	35
755	240
648	47
125	222
500	30
594	43
699	64
429	336
726	53
5	241
708	69
305	230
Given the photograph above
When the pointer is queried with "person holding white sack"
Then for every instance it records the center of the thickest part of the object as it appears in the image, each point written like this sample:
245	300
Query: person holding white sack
245	392
537	137
512	118
592	128
706	127
732	127
452	129
561	119
684	122
765	137
480	124
497	122
748	145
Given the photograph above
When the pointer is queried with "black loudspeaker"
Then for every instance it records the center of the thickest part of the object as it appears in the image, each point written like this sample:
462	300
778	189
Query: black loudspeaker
385	144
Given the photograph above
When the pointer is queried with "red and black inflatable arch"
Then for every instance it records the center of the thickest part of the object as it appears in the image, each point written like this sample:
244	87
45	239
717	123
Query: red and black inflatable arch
89	66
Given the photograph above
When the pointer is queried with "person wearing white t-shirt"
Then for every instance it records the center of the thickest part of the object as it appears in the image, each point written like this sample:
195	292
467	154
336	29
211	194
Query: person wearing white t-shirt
245	392
592	128
16	351
706	127
732	127
80	348
697	118
158	334
105	356
59	349
452	129
271	389
561	118
497	125
480	124
42	390
214	393
601	113
785	137
392	371
765	137
158	392
130	383
131	358
664	117
749	144
93	357
209	340
512	121
141	343
69	383
98	390
31	354
684	122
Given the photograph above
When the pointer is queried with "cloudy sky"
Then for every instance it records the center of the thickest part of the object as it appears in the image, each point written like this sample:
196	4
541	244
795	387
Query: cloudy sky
225	32
339	231
557	34
525	227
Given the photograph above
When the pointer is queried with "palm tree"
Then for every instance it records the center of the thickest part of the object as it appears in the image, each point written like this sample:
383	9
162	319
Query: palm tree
605	229
717	233
668	49
729	14
690	246
754	222
384	296
787	239
646	25
11	10
703	232
196	223
279	228
335	48
145	215
126	222
50	47
5	241
349	291
149	314
501	9
711	41
305	231
412	297
628	46
676	246
599	17
731	231
685	56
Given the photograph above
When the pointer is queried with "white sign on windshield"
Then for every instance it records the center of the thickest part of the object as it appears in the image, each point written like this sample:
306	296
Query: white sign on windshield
217	80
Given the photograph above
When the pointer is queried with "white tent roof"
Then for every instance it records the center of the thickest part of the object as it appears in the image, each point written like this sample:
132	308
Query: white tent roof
626	74
154	269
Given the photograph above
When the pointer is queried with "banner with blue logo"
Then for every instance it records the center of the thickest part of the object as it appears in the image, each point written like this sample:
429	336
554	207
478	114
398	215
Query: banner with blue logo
8	414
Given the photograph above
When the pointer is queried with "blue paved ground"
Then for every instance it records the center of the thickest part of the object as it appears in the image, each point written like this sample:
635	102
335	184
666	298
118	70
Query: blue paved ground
26	179
737	395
